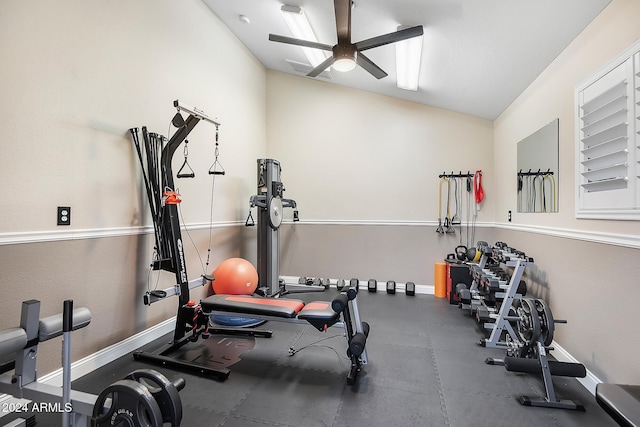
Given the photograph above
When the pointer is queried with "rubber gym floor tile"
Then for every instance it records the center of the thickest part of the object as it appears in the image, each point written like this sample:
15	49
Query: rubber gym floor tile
198	416
413	371
471	408
321	359
390	334
240	421
205	394
568	389
450	338
379	405
468	371
425	369
294	396
399	311
480	410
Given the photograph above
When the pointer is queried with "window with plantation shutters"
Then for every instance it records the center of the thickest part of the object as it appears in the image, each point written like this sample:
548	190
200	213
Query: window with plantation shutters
608	141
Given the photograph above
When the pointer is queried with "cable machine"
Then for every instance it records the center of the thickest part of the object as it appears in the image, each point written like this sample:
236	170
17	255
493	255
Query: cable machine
163	201
270	203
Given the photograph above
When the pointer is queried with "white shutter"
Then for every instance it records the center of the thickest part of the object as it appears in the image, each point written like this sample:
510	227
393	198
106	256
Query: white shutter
608	142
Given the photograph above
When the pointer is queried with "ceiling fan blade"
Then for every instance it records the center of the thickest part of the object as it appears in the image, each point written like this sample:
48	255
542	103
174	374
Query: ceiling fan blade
396	36
299	42
343	20
369	66
320	68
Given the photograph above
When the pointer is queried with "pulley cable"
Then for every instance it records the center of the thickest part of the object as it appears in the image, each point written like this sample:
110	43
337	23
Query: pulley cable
215	169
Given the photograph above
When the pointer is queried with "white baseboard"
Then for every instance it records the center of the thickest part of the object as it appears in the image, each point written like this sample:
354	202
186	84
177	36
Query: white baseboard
590	381
111	353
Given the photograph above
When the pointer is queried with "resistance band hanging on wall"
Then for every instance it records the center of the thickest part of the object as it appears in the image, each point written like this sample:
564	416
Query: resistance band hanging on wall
456	186
537	191
477	187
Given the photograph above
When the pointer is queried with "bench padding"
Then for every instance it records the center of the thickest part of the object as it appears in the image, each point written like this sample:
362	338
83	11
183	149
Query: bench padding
319	310
319	314
262	306
620	401
12	340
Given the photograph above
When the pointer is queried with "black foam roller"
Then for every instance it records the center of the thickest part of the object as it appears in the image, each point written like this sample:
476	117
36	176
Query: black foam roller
340	302
357	343
532	366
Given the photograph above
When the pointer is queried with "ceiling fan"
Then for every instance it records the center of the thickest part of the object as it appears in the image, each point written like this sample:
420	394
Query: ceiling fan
345	54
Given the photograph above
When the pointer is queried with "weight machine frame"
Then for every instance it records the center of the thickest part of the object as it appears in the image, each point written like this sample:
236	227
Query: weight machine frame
270	203
172	259
76	406
119	402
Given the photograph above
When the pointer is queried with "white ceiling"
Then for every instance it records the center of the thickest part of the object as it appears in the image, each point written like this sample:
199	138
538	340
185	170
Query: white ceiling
478	55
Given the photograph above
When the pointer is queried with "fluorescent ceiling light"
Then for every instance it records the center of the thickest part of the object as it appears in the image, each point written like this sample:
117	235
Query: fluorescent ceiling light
301	29
408	55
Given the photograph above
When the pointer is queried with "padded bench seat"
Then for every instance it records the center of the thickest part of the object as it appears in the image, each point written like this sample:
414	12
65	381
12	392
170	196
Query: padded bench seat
318	313
246	304
622	402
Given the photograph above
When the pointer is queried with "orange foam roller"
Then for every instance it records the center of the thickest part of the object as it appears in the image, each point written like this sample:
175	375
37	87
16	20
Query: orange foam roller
440	280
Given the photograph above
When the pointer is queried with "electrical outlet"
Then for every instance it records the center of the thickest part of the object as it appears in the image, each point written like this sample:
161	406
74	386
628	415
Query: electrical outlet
64	215
509	216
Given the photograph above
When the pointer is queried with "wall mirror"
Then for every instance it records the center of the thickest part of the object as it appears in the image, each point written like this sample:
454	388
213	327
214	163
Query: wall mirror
538	170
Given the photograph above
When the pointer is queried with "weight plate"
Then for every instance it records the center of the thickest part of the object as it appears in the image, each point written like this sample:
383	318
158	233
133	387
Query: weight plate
126	403
164	391
275	212
529	323
546	321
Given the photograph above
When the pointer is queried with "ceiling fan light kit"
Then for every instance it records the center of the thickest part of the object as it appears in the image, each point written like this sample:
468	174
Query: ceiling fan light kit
345	54
345	58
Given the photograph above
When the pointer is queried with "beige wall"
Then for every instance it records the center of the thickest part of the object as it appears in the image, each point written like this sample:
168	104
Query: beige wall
551	96
363	169
399	252
589	267
75	77
358	156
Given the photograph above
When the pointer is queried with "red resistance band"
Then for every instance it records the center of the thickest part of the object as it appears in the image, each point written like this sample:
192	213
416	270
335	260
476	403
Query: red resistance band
477	186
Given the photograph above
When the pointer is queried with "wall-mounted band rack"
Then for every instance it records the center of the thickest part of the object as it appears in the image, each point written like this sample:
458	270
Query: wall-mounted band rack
534	173
455	201
537	191
456	175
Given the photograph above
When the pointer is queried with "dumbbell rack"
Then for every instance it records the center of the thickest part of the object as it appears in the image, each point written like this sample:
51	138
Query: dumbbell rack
502	317
508	292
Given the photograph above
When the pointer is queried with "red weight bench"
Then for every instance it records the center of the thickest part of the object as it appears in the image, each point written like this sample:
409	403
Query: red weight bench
341	312
317	313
